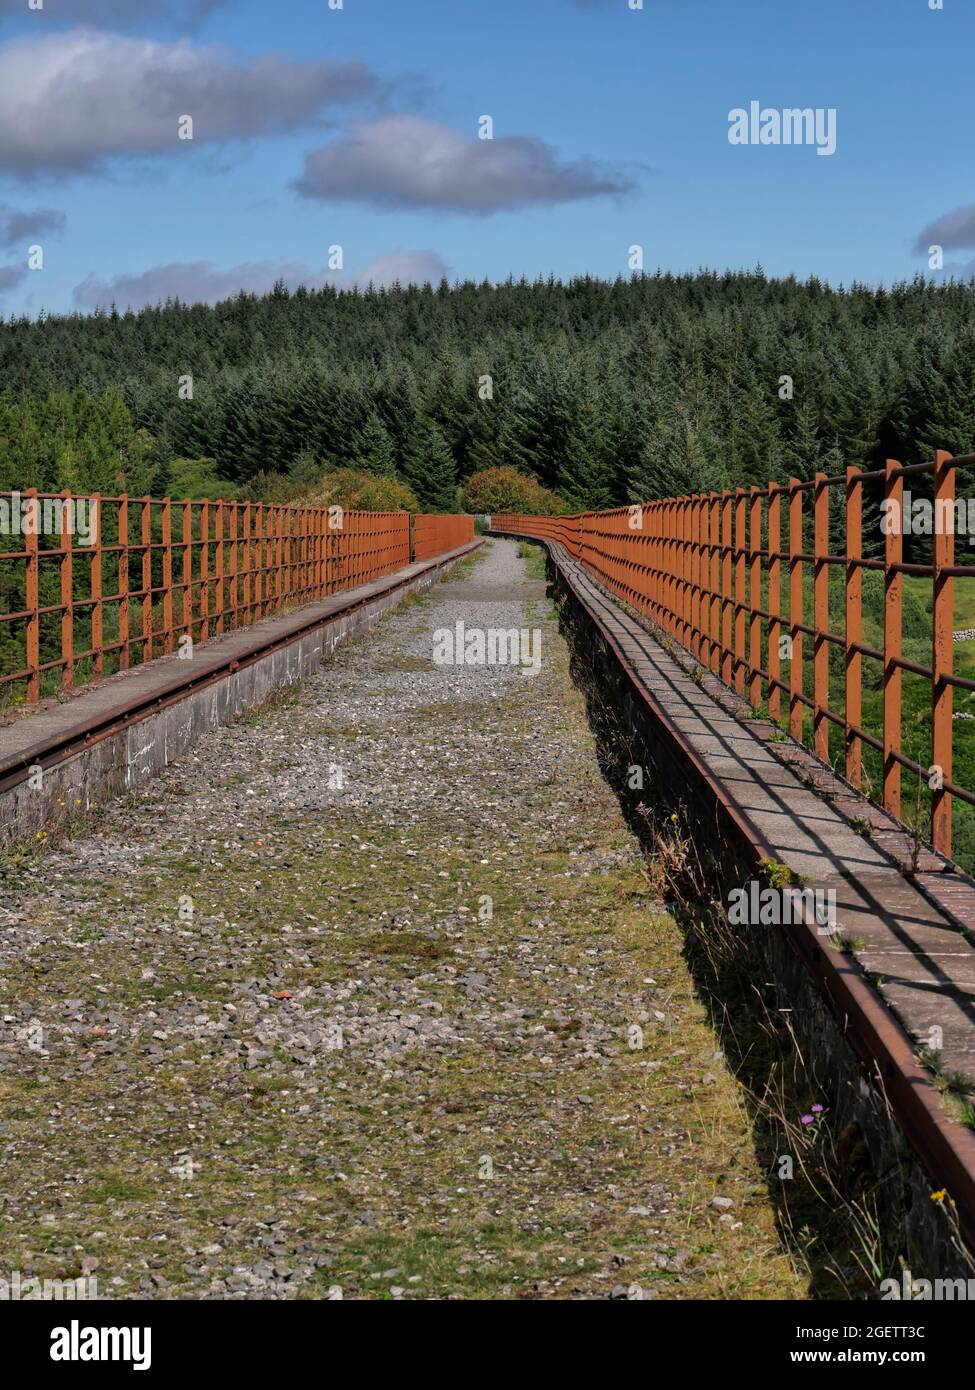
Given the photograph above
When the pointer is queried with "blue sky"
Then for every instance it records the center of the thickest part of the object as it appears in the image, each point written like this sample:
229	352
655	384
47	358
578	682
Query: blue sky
610	125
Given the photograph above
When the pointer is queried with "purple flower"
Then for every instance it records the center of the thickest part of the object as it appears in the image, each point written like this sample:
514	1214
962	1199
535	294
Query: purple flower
817	1109
807	1119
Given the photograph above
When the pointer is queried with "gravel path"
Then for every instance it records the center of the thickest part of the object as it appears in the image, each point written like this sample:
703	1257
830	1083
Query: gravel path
366	994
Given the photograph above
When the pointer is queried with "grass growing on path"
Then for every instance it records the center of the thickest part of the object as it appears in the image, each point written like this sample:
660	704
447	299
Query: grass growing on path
429	1033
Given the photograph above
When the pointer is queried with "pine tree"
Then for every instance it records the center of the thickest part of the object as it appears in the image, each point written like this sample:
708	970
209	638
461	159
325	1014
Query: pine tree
484	444
803	449
585	476
673	365
374	450
428	468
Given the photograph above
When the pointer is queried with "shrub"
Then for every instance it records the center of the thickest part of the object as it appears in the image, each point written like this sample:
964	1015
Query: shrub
507	490
197	478
356	490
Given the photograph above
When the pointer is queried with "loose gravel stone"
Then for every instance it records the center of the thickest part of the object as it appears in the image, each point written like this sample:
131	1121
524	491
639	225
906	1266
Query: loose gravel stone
344	1003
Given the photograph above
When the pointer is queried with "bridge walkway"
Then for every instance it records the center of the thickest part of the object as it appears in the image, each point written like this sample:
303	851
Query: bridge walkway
369	992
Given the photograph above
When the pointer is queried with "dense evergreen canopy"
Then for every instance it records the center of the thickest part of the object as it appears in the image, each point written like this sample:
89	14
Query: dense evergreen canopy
605	391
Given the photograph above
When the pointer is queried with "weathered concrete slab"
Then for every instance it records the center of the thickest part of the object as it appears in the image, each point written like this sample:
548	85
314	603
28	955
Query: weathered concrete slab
915	951
860	1012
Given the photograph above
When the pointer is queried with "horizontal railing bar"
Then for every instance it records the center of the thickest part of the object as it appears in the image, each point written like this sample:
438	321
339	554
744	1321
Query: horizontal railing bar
711	571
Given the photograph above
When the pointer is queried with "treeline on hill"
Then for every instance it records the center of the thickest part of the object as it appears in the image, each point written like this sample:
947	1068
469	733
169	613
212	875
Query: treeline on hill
603	392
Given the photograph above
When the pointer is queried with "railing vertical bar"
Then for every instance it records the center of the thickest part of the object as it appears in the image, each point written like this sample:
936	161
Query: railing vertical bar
97	589
820	617
755	601
146	547
942	651
683	587
218	566
662	564
234	568
32	599
654	562
795	609
278	557
167	574
717	615
123	581
259	565
854	626
677	550
677	568
67	593
187	623
696	576
726	588
248	558
204	571
687	518
893	598
739	608
665	565
774	601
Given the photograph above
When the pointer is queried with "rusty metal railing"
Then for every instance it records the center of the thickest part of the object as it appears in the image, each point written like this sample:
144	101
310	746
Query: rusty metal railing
95	584
435	535
709	570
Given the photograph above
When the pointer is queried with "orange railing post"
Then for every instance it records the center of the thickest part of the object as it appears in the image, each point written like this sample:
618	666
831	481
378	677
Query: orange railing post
893	587
321	533
820	618
123	581
704	581
218	566
854	625
264	553
726	589
755	600
146	549
167	575
716	613
740	544
774	601
32	599
204	571
187	622
234	568
795	609
247	556
695	615
942	650
684	514
67	595
97	631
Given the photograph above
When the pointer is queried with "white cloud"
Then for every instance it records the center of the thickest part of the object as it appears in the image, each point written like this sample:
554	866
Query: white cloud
202	282
68	101
407	162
